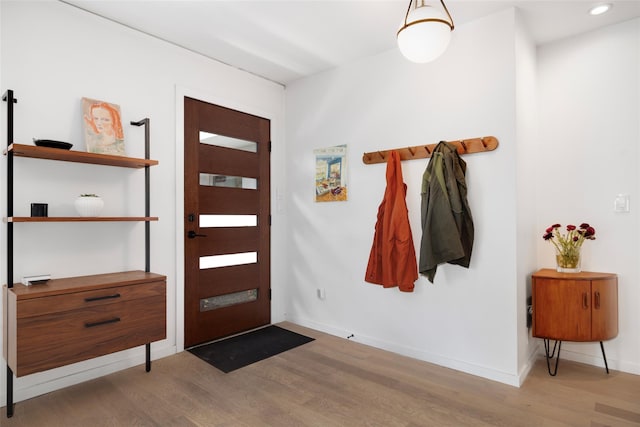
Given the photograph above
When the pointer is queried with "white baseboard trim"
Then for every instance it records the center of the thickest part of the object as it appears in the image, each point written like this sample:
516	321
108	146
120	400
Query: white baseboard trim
594	360
55	379
524	372
459	365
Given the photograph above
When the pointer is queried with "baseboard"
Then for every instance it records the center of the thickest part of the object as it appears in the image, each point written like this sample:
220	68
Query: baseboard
458	365
569	353
524	371
628	367
55	379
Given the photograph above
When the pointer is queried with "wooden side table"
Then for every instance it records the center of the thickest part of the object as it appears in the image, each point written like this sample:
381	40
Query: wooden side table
580	307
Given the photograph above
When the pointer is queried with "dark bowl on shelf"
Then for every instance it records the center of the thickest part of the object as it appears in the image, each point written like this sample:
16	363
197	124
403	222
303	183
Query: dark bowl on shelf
52	144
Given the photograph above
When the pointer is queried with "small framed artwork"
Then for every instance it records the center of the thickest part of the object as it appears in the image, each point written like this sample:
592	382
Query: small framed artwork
331	174
103	133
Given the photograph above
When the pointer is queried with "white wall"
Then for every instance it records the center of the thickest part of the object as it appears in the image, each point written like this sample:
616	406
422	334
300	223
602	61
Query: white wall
527	171
568	131
469	318
589	107
52	55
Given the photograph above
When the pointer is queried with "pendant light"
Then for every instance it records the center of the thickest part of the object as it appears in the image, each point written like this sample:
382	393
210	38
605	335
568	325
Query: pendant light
425	33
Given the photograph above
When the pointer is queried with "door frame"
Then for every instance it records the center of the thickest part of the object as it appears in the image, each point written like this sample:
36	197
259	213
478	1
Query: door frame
180	93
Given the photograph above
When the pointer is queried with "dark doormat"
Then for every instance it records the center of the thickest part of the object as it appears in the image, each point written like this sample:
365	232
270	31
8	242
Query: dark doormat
242	350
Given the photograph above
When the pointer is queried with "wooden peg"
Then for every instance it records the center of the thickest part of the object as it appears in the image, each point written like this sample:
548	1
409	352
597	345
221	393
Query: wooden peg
464	146
412	151
381	154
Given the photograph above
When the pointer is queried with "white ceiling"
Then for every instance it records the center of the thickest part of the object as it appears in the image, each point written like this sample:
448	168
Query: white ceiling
286	40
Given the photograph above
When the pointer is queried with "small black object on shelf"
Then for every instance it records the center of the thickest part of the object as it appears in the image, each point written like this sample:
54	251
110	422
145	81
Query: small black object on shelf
52	144
39	209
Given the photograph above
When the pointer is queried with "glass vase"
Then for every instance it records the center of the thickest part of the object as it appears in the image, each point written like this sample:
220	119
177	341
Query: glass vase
568	260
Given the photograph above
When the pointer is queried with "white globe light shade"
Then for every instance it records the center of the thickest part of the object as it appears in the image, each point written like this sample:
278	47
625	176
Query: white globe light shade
424	41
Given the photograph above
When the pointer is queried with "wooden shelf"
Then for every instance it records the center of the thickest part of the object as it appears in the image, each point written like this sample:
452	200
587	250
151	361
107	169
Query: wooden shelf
79	218
35	152
83	283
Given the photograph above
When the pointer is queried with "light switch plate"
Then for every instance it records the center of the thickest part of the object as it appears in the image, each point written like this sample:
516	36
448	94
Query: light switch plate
621	203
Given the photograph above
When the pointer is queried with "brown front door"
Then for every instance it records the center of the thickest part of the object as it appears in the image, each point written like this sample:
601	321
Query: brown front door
226	224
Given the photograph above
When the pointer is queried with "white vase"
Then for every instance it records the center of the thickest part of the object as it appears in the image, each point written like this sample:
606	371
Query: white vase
89	206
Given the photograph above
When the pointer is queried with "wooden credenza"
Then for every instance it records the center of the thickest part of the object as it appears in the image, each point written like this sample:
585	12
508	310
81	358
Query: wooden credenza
574	307
69	320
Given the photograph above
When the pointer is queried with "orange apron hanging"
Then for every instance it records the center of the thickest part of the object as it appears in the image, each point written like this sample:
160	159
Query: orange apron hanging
392	261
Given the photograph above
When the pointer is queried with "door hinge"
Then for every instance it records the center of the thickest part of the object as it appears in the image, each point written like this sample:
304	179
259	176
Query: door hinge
269	146
269	220
269	294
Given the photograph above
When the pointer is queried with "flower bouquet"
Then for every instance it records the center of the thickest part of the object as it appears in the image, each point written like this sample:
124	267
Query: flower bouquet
568	245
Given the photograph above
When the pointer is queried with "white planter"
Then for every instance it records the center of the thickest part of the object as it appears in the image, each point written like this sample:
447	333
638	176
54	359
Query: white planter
89	206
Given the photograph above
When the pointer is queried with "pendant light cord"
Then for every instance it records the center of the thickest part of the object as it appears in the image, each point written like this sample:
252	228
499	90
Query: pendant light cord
406	17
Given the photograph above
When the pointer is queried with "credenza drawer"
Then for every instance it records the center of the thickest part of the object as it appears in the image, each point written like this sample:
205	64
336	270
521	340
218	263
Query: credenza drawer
86	299
57	339
72	319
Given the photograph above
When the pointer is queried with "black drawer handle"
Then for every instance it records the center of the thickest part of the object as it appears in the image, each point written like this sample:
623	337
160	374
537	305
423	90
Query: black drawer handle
104	322
101	298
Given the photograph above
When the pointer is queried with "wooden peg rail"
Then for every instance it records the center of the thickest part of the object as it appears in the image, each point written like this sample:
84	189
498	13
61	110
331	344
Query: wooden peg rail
464	146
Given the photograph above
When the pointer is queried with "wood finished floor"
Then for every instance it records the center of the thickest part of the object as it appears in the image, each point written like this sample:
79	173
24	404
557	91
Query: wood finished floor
334	382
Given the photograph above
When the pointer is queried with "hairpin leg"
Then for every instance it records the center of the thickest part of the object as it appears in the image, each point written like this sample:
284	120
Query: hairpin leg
550	356
606	365
147	350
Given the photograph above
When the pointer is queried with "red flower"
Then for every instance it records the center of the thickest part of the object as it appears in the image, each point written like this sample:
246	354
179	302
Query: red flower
572	240
590	233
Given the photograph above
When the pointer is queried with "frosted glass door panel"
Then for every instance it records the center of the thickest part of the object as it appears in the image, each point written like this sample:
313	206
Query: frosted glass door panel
228	221
228	142
212	180
227	260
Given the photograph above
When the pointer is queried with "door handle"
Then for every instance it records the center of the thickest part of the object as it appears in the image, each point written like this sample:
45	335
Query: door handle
597	302
192	234
585	300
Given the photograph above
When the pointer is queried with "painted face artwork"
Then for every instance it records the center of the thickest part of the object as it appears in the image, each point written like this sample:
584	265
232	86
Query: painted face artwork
103	127
103	120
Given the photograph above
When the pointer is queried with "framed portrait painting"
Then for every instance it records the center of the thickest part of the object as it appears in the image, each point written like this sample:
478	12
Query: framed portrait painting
103	133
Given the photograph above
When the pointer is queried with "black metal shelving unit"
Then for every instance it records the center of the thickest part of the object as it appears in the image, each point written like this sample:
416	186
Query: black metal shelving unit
14	150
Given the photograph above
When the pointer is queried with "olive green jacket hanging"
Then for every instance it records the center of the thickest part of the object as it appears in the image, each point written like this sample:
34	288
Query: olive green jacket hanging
447	226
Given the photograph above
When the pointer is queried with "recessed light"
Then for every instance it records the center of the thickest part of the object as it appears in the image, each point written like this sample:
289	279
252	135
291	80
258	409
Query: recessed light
599	9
